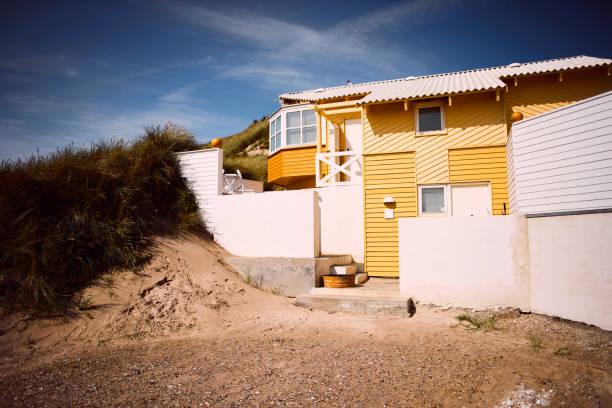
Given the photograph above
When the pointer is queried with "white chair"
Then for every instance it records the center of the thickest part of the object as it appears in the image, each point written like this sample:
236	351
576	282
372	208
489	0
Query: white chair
232	183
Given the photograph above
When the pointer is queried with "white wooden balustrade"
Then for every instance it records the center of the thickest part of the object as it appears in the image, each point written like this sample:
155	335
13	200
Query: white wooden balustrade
351	168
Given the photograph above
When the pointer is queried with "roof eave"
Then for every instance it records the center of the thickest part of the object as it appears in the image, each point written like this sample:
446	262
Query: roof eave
438	95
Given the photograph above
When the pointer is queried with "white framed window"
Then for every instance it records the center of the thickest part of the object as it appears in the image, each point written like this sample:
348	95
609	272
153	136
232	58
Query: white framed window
433	200
430	118
301	127
275	133
457	199
293	125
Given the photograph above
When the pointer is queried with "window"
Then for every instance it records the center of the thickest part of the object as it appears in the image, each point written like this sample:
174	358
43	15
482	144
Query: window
461	199
433	200
430	119
275	134
300	127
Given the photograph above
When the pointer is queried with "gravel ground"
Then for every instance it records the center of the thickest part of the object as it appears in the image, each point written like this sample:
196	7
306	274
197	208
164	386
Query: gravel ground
257	349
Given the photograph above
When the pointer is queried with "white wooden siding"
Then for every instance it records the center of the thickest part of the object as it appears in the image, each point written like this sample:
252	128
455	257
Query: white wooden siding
512	205
561	161
203	171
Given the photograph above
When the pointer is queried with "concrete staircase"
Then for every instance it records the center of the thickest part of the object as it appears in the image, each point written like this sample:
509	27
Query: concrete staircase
377	295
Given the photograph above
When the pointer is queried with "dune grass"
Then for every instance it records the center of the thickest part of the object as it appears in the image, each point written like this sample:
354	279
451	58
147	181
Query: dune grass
73	215
255	134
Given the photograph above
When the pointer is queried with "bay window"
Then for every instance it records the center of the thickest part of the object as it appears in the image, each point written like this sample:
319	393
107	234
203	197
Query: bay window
293	125
275	134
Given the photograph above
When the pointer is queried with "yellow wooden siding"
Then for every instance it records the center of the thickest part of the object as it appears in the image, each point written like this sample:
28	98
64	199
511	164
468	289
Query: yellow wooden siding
292	162
386	175
482	164
472	120
542	93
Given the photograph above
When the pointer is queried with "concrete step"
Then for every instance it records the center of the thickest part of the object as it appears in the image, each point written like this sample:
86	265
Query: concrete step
350	269
359	291
356	302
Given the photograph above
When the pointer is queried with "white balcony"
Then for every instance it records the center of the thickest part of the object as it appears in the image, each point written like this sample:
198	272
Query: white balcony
343	168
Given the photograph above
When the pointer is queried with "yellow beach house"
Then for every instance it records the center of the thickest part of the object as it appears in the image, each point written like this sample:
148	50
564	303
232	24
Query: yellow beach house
426	146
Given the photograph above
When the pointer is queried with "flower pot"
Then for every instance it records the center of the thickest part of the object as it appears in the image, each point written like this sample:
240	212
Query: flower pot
339	281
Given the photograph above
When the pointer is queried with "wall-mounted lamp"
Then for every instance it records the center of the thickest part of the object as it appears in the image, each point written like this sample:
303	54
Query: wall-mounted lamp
389	203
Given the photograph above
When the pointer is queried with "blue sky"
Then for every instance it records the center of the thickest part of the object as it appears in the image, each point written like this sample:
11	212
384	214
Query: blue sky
75	73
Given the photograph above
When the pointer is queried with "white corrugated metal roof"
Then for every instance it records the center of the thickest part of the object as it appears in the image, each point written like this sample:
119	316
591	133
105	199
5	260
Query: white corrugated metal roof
444	84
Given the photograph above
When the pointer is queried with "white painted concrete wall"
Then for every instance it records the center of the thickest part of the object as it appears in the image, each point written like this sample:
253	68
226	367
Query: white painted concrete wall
562	160
341	211
559	266
271	224
202	169
512	204
476	262
279	224
571	267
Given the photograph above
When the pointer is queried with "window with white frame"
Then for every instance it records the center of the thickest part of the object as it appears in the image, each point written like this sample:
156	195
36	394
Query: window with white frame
275	134
430	118
301	127
433	200
457	199
293	125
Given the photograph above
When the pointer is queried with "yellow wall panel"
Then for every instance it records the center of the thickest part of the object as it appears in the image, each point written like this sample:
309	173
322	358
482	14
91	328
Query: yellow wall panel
292	163
472	120
387	174
482	164
542	93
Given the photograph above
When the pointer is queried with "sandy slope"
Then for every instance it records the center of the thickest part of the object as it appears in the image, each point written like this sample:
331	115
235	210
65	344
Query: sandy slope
187	331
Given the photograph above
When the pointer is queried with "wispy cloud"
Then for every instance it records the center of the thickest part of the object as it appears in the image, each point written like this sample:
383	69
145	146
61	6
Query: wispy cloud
285	54
84	123
179	65
40	64
184	94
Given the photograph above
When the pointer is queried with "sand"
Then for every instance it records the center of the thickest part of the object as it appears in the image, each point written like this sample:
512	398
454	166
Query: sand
186	330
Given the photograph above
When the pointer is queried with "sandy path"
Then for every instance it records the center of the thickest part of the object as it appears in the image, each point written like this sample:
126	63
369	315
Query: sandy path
188	332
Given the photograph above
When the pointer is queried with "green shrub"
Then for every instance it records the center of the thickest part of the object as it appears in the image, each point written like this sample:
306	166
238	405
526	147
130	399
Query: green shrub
72	215
486	323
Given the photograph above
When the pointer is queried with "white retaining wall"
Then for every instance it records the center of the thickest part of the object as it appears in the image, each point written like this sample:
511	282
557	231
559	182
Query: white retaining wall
476	262
571	267
271	224
202	169
341	210
559	266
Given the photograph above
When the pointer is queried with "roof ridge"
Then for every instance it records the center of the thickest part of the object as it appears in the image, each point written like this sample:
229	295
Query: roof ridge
436	75
348	86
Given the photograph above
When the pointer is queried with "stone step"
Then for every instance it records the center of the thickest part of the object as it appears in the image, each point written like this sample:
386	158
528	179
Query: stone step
350	269
351	302
360	292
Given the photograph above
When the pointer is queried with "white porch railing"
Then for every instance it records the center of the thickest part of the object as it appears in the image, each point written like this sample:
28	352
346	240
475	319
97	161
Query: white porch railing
351	168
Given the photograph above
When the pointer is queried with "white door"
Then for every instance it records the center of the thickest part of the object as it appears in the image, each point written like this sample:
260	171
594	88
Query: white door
352	131
470	200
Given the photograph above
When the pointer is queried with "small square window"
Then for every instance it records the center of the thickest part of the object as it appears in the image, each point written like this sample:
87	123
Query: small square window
294	119
309	117
430	119
309	134
294	136
433	200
